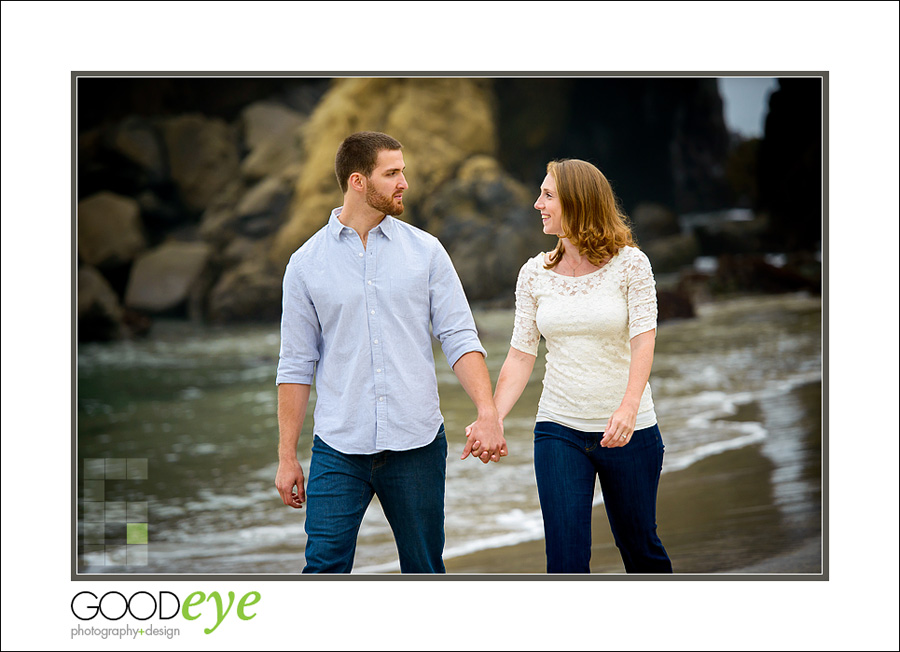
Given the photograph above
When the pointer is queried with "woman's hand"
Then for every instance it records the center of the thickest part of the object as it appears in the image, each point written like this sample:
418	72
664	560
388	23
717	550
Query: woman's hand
473	446
620	426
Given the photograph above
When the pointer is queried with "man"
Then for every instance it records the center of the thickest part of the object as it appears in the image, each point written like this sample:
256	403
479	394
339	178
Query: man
359	297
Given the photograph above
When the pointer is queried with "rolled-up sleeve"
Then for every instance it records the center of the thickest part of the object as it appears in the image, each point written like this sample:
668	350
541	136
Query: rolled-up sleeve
451	318
300	331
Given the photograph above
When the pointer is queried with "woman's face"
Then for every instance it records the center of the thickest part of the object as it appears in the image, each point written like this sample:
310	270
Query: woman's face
551	210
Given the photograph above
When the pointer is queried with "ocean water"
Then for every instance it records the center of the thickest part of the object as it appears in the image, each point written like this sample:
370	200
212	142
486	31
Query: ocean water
199	406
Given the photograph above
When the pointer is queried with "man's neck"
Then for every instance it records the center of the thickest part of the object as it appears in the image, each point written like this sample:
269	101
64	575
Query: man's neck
361	219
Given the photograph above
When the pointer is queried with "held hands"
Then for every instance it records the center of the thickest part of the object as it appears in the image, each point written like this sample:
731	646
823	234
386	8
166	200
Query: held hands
620	427
485	441
289	477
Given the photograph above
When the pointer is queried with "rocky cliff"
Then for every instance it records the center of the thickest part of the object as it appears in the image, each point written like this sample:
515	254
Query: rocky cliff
193	193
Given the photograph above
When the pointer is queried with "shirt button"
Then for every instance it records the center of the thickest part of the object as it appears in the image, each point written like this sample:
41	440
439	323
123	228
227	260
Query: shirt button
381	398
369	282
378	371
376	341
373	312
360	255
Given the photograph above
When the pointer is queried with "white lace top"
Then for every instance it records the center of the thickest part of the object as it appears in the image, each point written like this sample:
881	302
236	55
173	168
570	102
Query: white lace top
588	322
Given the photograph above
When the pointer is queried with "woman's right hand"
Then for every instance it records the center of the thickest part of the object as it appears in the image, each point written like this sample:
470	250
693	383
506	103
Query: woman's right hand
473	445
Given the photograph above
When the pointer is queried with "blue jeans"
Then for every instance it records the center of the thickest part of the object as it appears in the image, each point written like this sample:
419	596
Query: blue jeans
566	464
410	486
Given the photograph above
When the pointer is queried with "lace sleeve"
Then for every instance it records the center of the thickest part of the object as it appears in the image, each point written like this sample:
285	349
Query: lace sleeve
526	335
640	294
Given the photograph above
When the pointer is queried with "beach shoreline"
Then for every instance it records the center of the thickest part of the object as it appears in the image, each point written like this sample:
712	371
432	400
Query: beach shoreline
742	512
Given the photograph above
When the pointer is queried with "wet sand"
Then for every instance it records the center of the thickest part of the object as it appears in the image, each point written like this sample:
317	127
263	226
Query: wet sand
754	510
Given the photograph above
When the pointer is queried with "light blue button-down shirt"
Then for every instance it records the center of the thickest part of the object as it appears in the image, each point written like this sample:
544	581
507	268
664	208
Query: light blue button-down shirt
357	319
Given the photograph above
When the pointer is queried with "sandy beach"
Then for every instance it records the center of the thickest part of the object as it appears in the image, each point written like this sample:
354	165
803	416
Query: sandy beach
735	513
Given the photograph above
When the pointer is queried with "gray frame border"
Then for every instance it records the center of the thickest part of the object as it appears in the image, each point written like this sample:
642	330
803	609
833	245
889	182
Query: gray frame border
76	576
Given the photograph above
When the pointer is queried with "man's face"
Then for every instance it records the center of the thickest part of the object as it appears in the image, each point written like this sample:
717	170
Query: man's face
385	186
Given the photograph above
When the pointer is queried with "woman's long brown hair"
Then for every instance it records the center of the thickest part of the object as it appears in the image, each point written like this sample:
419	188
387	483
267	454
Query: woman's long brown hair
592	218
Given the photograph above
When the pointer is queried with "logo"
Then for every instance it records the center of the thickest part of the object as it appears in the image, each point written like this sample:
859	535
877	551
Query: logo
165	605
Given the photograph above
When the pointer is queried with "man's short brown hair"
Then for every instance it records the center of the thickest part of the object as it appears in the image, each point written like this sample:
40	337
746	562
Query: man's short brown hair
359	153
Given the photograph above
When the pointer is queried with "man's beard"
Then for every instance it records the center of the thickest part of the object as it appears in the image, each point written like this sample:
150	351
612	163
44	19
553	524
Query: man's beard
383	203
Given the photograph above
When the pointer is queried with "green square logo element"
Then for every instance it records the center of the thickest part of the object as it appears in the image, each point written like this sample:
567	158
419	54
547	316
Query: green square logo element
136	533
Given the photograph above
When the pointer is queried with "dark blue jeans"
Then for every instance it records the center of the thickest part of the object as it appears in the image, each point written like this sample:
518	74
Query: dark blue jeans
567	463
410	486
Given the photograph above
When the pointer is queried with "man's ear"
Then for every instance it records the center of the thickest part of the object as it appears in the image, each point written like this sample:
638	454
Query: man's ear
356	181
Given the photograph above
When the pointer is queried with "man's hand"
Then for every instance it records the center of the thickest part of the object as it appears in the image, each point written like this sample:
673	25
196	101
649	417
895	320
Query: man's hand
289	476
485	441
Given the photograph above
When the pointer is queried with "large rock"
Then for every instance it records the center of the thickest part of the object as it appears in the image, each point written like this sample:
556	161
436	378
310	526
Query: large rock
440	122
790	166
671	253
109	230
163	279
486	221
99	312
272	134
266	121
261	209
249	292
273	157
650	221
753	273
659	140
256	213
139	142
203	158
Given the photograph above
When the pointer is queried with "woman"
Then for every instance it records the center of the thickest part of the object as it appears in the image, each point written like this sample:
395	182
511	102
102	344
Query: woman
593	298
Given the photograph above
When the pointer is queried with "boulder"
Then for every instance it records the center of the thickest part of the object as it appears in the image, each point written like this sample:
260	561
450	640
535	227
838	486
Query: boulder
671	253
732	237
249	292
651	220
203	158
486	221
268	121
790	173
240	249
109	230
272	134
163	279
257	213
674	304
99	312
659	140
140	143
753	273
270	158
440	122
261	210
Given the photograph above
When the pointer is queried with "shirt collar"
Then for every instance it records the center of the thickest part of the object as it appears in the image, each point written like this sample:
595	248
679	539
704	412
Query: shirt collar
335	228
